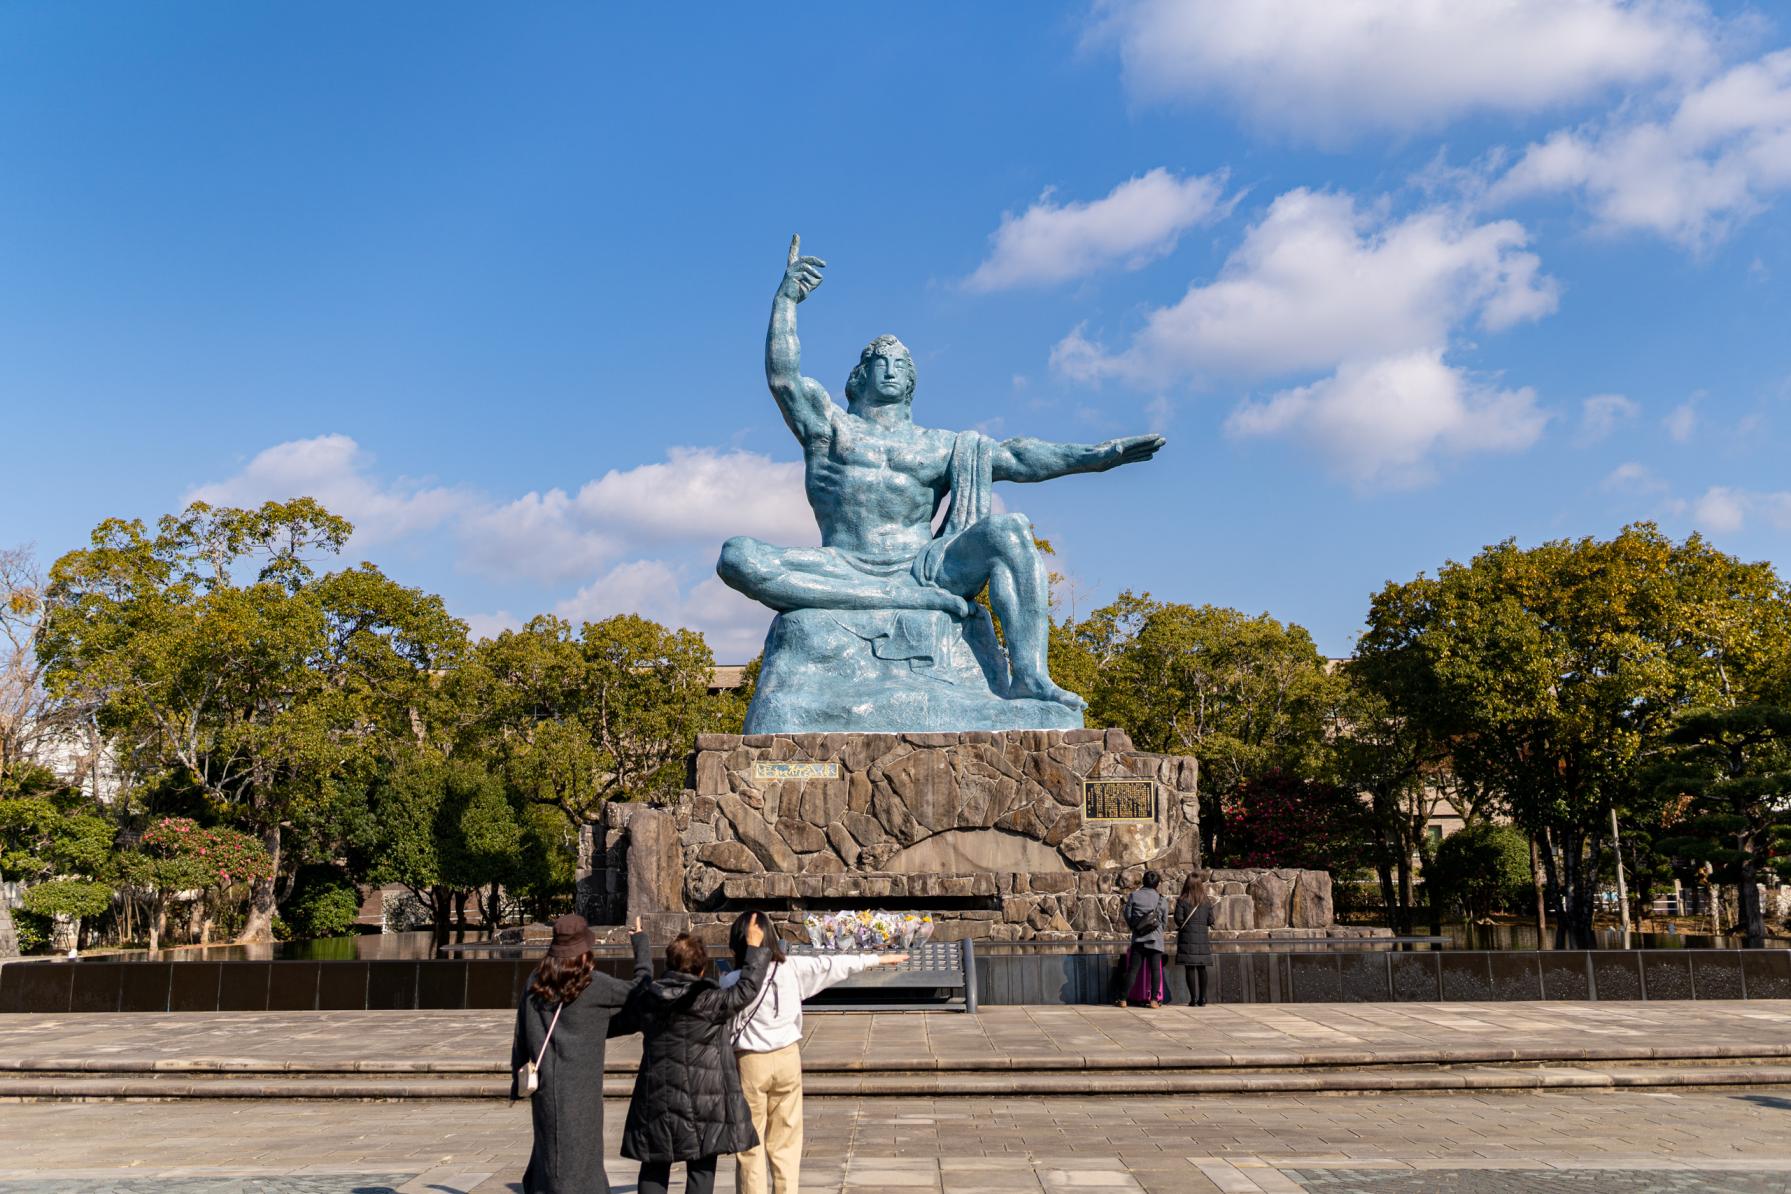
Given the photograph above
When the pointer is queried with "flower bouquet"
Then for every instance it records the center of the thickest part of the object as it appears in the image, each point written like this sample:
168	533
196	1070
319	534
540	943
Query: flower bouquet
864	929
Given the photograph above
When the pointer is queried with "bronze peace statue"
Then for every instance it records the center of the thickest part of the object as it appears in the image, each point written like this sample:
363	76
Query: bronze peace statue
876	630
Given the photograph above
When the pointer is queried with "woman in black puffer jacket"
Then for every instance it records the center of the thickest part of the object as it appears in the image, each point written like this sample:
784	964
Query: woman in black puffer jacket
687	1104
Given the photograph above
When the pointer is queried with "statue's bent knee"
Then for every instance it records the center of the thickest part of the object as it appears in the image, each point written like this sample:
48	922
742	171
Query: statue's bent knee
1012	531
740	565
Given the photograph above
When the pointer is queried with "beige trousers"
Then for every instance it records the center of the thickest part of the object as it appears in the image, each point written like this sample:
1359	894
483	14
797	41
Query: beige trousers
772	1083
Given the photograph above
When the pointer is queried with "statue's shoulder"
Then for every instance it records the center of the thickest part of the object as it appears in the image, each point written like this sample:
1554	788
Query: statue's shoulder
937	437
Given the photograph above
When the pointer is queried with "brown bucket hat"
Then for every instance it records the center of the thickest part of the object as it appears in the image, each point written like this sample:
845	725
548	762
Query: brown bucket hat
572	936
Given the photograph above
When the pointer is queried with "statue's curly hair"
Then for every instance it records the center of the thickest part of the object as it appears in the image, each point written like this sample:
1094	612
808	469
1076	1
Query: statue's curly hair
885	342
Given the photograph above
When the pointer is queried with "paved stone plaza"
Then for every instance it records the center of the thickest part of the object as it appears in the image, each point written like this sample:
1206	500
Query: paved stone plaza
1383	1144
1055	1037
1727	1130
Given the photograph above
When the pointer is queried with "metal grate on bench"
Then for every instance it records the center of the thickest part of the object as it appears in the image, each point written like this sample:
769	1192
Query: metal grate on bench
936	974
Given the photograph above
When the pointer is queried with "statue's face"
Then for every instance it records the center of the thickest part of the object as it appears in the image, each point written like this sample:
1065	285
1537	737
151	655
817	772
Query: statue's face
884	375
889	375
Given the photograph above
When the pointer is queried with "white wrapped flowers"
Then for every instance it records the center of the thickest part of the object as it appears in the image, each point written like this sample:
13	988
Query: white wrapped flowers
865	929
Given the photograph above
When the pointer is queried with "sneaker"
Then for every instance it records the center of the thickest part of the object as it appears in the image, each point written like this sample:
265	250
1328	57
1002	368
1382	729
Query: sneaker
1121	1003
1153	1004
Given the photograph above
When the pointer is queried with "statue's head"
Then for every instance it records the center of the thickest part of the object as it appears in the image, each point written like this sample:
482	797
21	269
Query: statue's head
884	375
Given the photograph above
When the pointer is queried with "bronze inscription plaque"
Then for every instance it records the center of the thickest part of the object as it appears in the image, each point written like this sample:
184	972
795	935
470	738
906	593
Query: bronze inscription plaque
1119	800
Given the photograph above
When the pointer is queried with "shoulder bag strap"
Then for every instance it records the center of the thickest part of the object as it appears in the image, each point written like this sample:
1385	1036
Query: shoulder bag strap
542	1056
745	1017
1183	923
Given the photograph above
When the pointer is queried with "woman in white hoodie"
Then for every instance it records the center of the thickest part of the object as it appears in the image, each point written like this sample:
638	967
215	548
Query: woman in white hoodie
767	1039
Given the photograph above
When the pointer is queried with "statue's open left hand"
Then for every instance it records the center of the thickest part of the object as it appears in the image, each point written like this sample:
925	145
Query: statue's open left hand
801	274
1131	449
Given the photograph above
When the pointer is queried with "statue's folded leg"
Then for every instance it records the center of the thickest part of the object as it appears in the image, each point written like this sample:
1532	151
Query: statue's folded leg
790	578
999	551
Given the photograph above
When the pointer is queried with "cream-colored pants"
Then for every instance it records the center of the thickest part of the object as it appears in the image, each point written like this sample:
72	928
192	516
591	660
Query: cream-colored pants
772	1083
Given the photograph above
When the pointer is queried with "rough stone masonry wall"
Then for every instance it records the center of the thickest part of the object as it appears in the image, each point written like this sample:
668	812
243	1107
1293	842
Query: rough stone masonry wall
986	830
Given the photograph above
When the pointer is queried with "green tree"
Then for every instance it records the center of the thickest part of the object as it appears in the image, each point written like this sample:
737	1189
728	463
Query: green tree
1246	696
610	713
478	841
324	902
1481	868
1551	672
439	826
1728	772
211	650
1390	760
57	842
547	862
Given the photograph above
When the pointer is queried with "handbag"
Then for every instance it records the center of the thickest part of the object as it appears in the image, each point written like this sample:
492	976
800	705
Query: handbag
1147	922
528	1074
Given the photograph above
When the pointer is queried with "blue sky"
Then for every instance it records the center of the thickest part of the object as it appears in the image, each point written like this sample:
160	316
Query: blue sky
492	281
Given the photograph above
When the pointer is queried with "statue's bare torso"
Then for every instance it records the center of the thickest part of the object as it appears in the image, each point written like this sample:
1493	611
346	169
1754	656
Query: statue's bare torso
875	489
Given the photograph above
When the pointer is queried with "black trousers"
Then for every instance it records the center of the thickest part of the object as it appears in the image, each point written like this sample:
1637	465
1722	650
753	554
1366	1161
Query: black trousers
1136	957
1196	976
699	1176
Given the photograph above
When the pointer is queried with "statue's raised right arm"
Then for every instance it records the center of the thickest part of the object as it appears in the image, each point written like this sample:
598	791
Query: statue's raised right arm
806	406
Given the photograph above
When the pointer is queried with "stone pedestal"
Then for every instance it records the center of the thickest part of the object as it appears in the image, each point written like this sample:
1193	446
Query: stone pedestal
1005	836
864	671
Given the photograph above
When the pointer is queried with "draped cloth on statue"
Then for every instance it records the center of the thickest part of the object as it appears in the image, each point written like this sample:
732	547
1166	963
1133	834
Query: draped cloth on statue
900	670
971	476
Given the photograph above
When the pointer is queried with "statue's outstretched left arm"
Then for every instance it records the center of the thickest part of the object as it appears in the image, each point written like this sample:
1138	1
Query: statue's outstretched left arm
1026	459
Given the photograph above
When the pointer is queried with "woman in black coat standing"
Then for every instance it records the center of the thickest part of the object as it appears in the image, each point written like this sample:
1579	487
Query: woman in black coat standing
1194	912
687	1104
561	1024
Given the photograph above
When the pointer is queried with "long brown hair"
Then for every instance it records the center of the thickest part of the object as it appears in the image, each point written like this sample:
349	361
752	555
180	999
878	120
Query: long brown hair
561	980
1194	888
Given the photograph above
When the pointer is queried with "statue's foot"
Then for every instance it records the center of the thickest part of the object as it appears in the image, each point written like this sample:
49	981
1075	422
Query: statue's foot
1044	690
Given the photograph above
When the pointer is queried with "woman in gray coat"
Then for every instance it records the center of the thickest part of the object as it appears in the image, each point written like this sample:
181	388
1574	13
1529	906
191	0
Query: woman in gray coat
1194	912
1145	914
567	1107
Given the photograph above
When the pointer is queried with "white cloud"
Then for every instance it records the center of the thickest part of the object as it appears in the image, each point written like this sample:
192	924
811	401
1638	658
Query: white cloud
1721	510
1320	285
1381	421
1600	414
1139	221
492	624
336	472
733	625
1633	478
1328	69
1724	510
1318	281
625	524
1717	159
696	494
1681	421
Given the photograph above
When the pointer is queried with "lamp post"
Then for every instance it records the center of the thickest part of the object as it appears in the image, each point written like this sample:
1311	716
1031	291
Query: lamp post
1622	887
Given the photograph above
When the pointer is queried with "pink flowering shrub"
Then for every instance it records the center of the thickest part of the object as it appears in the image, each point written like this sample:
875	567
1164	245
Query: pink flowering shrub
225	856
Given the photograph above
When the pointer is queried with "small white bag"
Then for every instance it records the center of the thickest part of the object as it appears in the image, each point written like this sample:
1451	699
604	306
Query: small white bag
528	1074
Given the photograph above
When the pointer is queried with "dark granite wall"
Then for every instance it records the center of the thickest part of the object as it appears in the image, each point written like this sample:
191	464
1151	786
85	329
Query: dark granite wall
1005	975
